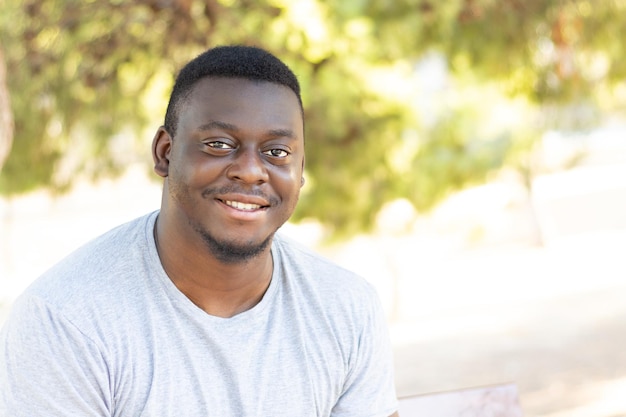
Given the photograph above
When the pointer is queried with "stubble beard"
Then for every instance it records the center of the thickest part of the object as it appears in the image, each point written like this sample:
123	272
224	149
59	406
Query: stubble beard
228	252
231	252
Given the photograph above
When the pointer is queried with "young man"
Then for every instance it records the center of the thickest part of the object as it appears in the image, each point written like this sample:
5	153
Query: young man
199	309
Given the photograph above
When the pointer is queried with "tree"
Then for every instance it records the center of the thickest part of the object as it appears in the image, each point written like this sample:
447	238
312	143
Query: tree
6	116
82	73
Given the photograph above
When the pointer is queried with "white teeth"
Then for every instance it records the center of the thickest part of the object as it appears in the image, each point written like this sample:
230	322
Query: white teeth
242	206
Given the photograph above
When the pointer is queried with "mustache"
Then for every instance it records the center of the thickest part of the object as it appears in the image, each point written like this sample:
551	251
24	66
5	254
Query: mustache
234	189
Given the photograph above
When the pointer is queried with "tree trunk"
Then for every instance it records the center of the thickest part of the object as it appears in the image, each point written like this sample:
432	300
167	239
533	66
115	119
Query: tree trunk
6	116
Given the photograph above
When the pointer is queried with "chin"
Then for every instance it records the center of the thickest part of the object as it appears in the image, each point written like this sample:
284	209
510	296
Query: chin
232	252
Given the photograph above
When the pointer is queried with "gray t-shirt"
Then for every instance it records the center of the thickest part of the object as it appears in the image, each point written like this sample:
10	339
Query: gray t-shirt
106	333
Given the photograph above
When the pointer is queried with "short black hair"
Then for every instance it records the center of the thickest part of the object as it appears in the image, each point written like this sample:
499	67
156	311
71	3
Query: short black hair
236	61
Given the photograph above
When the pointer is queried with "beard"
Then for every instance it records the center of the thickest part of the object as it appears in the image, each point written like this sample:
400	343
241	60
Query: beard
228	252
232	252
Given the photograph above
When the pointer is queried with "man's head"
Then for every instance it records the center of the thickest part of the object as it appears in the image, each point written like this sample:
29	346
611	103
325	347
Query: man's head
233	156
246	62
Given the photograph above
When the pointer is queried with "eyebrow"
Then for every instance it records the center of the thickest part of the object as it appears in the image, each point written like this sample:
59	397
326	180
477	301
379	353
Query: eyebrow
216	124
284	133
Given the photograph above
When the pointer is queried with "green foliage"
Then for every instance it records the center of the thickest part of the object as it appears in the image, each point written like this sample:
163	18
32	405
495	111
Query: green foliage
350	132
452	157
82	73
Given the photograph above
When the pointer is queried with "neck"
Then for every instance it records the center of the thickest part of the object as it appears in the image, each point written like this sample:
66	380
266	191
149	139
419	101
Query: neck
222	289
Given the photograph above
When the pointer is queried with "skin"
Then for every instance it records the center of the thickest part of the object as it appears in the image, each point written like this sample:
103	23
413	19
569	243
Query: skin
236	141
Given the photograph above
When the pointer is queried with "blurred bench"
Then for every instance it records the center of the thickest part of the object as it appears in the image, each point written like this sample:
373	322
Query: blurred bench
488	401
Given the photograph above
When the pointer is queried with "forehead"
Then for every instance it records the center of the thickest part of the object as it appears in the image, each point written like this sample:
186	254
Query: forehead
243	100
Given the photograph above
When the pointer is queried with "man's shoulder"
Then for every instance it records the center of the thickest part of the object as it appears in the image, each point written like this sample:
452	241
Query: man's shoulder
320	274
95	269
298	255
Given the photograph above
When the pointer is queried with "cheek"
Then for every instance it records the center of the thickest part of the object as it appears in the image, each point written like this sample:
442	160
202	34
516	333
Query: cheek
195	170
181	181
289	183
177	187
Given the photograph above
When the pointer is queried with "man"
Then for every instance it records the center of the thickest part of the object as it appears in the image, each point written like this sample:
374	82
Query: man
199	309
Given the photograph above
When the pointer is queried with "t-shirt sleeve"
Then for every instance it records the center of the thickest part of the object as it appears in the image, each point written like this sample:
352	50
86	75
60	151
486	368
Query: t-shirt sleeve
48	367
369	390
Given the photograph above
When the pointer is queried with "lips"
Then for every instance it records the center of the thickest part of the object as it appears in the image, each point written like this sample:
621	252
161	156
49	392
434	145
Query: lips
242	206
243	202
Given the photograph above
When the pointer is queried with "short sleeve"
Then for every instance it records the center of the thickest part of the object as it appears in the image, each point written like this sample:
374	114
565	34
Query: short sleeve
369	390
48	367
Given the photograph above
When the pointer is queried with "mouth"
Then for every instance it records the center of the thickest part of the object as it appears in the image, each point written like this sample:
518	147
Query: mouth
242	206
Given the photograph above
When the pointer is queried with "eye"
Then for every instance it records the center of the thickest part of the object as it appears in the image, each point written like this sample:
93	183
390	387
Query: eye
277	153
216	144
217	147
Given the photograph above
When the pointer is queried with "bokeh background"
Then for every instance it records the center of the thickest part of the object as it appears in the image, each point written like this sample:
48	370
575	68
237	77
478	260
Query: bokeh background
467	157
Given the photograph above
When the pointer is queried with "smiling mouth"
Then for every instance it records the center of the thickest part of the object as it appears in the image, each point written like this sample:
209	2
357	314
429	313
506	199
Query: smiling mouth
242	206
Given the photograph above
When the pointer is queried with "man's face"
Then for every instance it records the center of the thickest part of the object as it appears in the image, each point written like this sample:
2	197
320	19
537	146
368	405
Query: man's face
235	164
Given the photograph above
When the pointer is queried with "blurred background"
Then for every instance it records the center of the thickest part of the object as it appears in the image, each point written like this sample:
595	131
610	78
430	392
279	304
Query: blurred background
467	157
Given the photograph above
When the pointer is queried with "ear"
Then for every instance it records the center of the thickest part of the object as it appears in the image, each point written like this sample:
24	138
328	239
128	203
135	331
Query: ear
302	180
161	149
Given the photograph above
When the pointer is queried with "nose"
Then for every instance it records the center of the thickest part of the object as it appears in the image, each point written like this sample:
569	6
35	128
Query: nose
248	167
